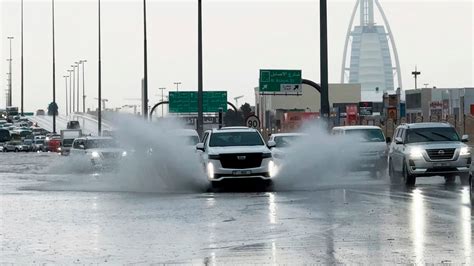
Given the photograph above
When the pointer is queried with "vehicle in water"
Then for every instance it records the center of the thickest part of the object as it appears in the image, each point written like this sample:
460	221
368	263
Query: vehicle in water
279	144
15	146
67	138
235	153
73	124
429	149
101	152
38	143
52	143
40	112
370	148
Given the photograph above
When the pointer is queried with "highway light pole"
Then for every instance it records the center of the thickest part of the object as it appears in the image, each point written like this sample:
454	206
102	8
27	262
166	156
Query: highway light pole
67	112
177	85
21	59
77	90
416	73
83	87
324	58
99	99
199	122
145	67
162	99
74	88
9	99
54	75
70	90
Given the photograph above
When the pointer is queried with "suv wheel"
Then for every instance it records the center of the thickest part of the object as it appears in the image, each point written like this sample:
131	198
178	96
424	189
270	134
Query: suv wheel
450	179
408	178
394	178
465	179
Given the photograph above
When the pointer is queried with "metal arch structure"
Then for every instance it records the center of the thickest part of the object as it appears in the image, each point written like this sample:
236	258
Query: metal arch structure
167	102
389	33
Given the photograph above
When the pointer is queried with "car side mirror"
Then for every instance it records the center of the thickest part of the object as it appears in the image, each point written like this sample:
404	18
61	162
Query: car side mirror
271	144
200	146
398	140
465	138
388	139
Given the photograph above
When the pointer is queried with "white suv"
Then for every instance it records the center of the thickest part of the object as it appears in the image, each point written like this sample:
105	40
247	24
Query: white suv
429	149
102	152
235	153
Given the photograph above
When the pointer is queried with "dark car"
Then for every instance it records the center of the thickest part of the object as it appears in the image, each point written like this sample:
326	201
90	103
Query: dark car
40	112
4	135
73	125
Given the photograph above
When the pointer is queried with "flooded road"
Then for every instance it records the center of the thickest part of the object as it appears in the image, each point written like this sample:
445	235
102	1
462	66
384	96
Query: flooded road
362	220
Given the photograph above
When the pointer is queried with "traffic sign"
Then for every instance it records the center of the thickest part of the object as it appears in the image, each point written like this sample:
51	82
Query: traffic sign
280	81
252	121
186	101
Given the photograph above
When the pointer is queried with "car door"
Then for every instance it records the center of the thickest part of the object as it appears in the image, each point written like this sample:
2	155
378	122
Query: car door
399	151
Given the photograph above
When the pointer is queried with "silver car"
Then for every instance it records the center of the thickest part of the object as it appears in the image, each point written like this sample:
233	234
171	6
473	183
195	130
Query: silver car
429	149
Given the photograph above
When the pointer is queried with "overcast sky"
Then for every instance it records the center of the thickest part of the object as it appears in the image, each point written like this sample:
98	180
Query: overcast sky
239	38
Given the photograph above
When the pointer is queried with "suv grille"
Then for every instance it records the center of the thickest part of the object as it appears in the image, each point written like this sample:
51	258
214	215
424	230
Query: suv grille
111	155
241	161
441	154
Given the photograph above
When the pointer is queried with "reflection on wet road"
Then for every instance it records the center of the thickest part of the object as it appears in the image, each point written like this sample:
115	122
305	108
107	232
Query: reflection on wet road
367	222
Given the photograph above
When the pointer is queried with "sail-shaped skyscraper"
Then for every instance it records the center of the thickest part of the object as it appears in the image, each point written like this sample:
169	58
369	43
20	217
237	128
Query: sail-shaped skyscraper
373	60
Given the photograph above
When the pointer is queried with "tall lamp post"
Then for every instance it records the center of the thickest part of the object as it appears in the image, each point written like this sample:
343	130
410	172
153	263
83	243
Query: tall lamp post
324	58
21	59
67	110
83	87
99	99
70	90
77	90
416	73
199	122
162	98
177	85
74	88
9	99
145	67
54	76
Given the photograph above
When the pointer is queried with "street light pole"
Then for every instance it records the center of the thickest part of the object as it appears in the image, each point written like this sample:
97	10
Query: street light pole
54	76
77	90
199	122
162	98
83	87
10	80
67	112
70	91
21	60
145	67
74	88
416	73
99	99
324	59
177	85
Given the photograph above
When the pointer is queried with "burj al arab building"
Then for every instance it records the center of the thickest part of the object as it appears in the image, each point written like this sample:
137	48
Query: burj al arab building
373	59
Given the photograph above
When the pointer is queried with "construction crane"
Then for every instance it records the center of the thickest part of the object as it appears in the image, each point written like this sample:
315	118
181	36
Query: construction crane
236	99
103	102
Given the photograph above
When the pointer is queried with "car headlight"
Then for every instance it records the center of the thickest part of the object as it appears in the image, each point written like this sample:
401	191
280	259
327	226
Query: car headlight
210	170
416	153
272	169
465	151
95	154
124	153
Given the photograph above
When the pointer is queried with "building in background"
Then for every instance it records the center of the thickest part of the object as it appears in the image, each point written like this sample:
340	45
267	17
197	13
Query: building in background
370	61
276	110
440	102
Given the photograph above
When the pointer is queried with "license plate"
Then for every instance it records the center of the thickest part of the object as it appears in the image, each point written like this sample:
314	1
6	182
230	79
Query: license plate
440	164
241	172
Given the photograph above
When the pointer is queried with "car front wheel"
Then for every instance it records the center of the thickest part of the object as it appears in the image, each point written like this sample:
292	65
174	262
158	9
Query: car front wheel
465	179
408	178
394	178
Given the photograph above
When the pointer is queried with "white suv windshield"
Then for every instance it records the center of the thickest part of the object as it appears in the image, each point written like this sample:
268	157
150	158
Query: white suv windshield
431	134
367	135
227	139
101	143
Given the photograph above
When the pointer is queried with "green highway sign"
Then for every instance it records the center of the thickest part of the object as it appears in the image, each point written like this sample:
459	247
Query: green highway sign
186	101
280	81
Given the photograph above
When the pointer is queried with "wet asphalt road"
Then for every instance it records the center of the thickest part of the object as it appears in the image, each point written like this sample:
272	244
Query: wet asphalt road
367	221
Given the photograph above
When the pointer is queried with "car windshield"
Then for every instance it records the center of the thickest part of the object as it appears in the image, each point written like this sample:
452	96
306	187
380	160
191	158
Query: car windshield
39	141
431	134
228	139
285	141
101	143
367	135
27	142
192	140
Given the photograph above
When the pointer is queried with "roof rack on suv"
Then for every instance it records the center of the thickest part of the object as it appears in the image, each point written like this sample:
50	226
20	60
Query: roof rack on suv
233	128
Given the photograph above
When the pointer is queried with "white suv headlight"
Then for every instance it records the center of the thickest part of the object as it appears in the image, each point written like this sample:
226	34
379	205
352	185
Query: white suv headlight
210	170
416	153
95	154
465	151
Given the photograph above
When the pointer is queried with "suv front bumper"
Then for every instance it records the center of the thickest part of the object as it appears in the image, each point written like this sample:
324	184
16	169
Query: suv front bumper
421	167
219	173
